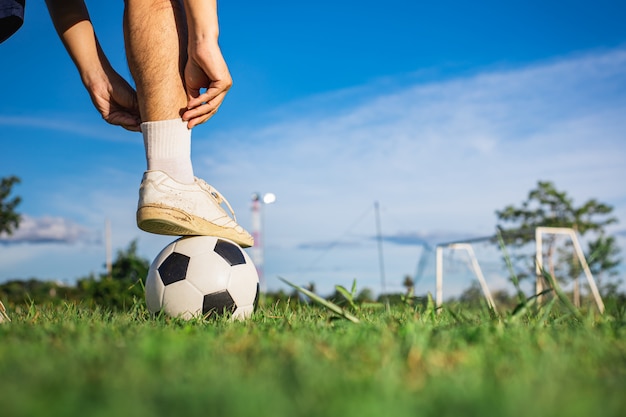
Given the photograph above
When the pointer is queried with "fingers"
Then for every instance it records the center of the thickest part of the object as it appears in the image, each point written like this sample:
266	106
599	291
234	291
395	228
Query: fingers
126	120
196	99
135	127
132	128
199	115
214	89
199	120
203	110
117	102
209	71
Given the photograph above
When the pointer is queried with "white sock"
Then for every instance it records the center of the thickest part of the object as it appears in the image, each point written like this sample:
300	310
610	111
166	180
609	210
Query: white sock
168	148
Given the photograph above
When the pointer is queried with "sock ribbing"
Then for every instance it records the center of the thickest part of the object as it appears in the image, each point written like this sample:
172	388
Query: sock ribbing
168	148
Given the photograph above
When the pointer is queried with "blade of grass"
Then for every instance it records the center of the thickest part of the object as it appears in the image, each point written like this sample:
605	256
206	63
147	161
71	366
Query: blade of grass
547	309
520	294
522	308
431	310
562	297
325	303
347	295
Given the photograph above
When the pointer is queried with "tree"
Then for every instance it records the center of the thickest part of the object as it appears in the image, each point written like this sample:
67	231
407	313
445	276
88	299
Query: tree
409	284
603	259
472	296
548	207
129	266
366	295
9	218
123	287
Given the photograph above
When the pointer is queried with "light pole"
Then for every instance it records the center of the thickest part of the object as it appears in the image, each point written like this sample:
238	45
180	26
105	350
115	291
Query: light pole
258	201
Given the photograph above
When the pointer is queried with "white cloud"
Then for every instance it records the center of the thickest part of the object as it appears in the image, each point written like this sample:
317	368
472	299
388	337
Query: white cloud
48	230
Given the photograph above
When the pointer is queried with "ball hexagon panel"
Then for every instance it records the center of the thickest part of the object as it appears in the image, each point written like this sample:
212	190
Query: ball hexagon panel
154	293
209	272
243	284
195	245
182	299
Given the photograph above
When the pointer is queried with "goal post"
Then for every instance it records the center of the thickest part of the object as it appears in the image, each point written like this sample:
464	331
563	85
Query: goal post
539	232
475	267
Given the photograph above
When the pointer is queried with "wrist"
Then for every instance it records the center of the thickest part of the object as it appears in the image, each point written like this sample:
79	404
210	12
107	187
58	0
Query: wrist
93	81
203	47
94	76
202	38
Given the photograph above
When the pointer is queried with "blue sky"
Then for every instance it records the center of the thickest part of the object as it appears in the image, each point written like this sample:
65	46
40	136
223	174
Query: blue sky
443	112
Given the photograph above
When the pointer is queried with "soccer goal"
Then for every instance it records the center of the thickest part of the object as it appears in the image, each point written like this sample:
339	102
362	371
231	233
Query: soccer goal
473	265
578	253
490	253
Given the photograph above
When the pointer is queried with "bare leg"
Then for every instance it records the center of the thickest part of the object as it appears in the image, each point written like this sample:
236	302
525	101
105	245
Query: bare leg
171	200
156	49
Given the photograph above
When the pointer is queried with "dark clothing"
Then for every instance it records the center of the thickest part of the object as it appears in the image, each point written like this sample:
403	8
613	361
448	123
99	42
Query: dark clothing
11	17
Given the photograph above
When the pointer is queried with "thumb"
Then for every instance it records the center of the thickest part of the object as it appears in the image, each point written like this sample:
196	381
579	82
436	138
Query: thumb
192	95
192	85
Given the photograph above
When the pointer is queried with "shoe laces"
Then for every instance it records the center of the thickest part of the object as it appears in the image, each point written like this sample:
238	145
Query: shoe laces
217	196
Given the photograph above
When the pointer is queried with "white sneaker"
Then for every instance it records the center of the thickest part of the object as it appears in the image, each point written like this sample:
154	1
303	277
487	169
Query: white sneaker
167	207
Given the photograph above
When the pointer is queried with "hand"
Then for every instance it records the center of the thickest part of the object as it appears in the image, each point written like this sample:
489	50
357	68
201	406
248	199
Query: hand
116	101
205	69
113	97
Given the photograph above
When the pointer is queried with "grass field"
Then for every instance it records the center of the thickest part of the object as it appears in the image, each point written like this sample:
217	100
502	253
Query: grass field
301	360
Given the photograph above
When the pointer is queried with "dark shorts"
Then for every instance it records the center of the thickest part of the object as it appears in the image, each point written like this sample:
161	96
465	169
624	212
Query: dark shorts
11	17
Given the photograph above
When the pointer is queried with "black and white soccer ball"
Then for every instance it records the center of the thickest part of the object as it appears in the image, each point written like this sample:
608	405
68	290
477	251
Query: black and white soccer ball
200	276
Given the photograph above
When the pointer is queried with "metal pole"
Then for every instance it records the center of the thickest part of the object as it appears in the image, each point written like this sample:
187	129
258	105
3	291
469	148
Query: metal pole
538	265
590	280
477	271
108	250
439	273
380	249
257	249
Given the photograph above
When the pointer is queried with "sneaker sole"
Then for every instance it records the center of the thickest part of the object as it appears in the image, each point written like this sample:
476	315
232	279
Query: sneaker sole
172	222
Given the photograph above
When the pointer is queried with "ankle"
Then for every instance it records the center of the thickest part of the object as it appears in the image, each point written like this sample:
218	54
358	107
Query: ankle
168	148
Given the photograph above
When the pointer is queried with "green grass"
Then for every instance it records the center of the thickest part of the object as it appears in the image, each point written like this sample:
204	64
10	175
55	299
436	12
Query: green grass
301	360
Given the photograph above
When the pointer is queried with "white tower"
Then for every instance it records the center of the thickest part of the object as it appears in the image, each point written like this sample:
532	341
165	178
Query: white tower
258	202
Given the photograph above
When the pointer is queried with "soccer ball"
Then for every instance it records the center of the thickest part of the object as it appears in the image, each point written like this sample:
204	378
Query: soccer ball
200	276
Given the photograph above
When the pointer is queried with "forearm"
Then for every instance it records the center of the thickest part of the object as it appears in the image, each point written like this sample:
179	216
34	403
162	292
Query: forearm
202	22
72	23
